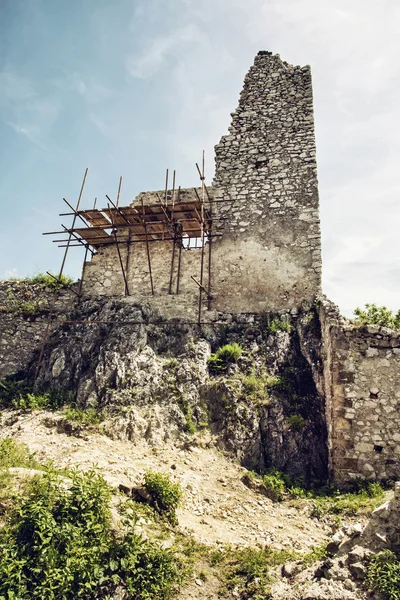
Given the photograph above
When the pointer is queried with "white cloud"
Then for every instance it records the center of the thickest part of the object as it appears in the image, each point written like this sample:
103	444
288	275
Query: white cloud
25	110
158	49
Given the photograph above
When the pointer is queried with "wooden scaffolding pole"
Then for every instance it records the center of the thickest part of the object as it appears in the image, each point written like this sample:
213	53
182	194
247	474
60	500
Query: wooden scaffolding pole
119	253
57	292
202	239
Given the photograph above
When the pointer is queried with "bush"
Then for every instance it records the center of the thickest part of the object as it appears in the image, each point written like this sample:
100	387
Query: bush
58	543
279	325
365	500
18	394
50	282
377	315
13	454
275	484
86	416
164	492
255	386
383	574
223	357
248	573
296	422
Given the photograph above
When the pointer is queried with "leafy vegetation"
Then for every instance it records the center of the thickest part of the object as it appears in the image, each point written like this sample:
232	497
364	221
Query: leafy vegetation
50	282
296	422
327	499
246	571
165	493
377	315
84	416
276	484
190	425
58	543
223	357
255	386
18	394
13	454
279	325
383	574
23	307
364	500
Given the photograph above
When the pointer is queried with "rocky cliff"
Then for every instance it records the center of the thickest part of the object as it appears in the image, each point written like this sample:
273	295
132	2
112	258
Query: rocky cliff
152	379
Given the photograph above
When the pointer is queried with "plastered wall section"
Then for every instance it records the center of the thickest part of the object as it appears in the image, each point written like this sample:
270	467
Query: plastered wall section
103	276
21	332
266	176
362	387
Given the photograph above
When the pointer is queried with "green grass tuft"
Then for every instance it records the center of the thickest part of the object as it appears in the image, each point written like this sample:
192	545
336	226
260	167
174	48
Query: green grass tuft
223	357
165	493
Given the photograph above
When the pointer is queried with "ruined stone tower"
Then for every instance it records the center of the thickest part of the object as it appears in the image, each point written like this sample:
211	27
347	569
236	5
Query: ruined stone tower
270	254
262	220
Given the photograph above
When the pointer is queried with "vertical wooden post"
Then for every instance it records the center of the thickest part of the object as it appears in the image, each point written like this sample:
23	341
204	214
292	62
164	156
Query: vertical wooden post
148	250
73	225
119	252
202	242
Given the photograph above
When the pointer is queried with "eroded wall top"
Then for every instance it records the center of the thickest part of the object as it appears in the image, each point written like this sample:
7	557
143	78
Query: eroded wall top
266	168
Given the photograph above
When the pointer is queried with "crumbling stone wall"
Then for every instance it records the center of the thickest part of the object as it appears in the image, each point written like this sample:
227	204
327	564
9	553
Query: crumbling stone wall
269	256
103	276
24	317
266	207
362	390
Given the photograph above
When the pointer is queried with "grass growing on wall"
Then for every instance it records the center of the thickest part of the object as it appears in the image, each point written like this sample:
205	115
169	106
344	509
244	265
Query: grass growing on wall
46	280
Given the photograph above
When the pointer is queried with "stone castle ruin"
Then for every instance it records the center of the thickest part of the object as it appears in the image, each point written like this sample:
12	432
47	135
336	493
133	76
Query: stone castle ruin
257	229
242	251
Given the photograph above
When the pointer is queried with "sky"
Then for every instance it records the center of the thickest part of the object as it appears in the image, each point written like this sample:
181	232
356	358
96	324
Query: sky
131	87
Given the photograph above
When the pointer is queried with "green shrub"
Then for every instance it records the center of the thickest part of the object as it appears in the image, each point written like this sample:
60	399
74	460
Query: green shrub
316	554
279	325
223	357
12	388
383	574
190	426
275	484
24	308
363	501
248	573
377	315
84	416
58	543
296	422
48	400
50	282
18	394
165	493
14	454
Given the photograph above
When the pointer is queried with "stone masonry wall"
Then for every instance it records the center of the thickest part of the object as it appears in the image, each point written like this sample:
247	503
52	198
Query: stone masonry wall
269	256
362	389
265	187
24	314
103	276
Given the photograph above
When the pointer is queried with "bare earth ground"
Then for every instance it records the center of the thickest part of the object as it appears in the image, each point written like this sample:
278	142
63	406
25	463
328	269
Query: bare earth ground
217	508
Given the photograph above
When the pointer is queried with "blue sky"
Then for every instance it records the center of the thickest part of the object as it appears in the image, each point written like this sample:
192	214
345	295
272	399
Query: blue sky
131	87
